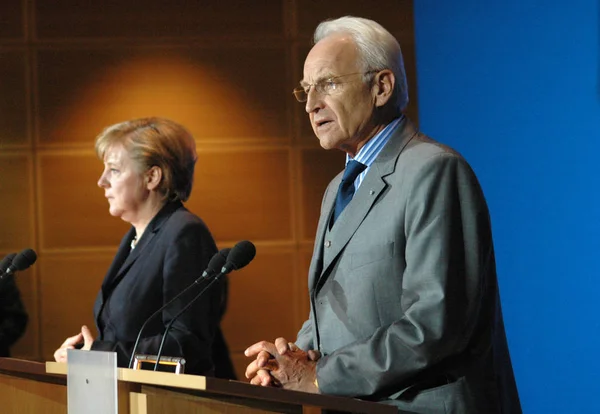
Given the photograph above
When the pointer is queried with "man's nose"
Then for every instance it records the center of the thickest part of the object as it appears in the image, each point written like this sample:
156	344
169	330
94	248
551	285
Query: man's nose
314	101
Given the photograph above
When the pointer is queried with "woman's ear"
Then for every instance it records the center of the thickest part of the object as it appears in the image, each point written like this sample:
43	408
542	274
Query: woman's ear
153	177
383	87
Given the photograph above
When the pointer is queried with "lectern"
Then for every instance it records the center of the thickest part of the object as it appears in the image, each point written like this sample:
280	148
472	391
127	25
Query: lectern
28	387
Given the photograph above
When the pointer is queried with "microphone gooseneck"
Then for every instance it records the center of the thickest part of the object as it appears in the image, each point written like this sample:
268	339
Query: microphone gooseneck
240	255
217	260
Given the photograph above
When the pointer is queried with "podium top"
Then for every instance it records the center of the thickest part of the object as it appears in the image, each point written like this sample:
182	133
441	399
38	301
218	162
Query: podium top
166	379
29	369
239	389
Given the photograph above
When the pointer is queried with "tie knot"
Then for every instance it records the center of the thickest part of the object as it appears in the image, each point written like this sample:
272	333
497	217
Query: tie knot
353	169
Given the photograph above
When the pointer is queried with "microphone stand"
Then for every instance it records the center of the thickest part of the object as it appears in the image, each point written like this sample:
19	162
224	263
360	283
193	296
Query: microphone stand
185	308
137	340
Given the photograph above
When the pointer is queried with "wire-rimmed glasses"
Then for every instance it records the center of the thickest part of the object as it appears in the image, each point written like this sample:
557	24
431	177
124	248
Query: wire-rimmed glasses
324	86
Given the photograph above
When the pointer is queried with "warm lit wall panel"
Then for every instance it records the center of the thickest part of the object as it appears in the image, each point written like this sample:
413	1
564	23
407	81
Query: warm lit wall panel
240	362
262	301
74	211
244	194
157	18
17	220
11	18
319	166
13	93
81	91
69	284
389	13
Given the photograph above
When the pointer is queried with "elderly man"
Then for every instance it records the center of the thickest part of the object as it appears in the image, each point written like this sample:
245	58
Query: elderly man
404	299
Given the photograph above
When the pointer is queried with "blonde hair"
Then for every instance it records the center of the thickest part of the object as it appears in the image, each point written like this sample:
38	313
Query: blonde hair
156	142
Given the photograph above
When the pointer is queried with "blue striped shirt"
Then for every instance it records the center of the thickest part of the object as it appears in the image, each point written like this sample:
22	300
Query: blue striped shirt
372	148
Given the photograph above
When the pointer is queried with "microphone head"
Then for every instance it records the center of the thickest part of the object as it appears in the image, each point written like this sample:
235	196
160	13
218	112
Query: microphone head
241	254
23	260
216	263
225	252
5	263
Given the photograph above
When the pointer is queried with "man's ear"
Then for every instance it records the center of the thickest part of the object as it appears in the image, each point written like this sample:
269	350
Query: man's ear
383	87
153	177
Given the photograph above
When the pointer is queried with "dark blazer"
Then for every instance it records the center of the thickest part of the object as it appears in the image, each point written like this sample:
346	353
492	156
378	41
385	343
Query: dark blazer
173	252
404	298
13	316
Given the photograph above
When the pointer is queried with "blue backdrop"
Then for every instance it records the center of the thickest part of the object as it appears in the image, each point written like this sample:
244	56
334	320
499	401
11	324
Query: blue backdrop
514	86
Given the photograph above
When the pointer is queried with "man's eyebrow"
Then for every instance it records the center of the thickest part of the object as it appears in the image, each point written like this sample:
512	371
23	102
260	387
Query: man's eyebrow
304	83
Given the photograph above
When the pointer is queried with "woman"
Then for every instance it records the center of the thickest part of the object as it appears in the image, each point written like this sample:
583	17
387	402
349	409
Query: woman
148	173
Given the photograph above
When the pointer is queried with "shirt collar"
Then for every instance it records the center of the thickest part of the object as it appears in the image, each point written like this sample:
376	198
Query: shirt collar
369	152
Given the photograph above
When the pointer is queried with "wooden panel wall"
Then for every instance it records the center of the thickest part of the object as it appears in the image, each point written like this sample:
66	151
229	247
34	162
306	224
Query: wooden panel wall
225	69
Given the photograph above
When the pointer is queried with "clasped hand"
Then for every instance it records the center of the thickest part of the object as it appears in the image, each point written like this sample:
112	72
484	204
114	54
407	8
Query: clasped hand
282	364
85	336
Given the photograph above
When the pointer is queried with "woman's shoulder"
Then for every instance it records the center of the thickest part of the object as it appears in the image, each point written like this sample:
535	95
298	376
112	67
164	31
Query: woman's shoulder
184	221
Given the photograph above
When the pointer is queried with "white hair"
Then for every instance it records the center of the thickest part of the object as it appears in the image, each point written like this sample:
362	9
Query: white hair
377	48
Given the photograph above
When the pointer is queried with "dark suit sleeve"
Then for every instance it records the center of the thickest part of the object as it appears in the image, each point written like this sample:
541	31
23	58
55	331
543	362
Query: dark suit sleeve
13	317
447	254
187	253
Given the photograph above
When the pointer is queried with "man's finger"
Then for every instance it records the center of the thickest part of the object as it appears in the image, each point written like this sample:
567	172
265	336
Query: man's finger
255	349
256	380
314	355
251	370
282	345
265	378
262	358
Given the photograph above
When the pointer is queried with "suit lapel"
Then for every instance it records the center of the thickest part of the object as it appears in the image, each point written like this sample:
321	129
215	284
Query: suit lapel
126	257
133	256
316	265
117	262
369	191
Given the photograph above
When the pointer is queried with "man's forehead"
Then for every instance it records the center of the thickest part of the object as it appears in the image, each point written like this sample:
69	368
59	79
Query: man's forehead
319	73
329	56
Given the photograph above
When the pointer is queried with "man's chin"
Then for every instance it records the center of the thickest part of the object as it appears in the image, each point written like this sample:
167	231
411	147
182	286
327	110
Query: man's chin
326	143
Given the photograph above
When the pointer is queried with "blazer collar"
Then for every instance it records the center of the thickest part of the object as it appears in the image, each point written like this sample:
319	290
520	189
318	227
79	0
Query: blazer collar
125	256
369	191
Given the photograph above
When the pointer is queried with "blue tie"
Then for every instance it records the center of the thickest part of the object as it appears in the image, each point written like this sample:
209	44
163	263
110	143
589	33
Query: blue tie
346	190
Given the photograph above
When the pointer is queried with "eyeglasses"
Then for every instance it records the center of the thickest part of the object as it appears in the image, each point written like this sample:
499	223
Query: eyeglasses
324	86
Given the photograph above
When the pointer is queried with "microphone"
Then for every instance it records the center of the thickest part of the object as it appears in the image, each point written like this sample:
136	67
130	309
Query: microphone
20	261
240	255
5	263
214	264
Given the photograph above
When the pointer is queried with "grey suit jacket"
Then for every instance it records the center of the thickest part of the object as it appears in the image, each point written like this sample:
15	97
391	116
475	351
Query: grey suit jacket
404	298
